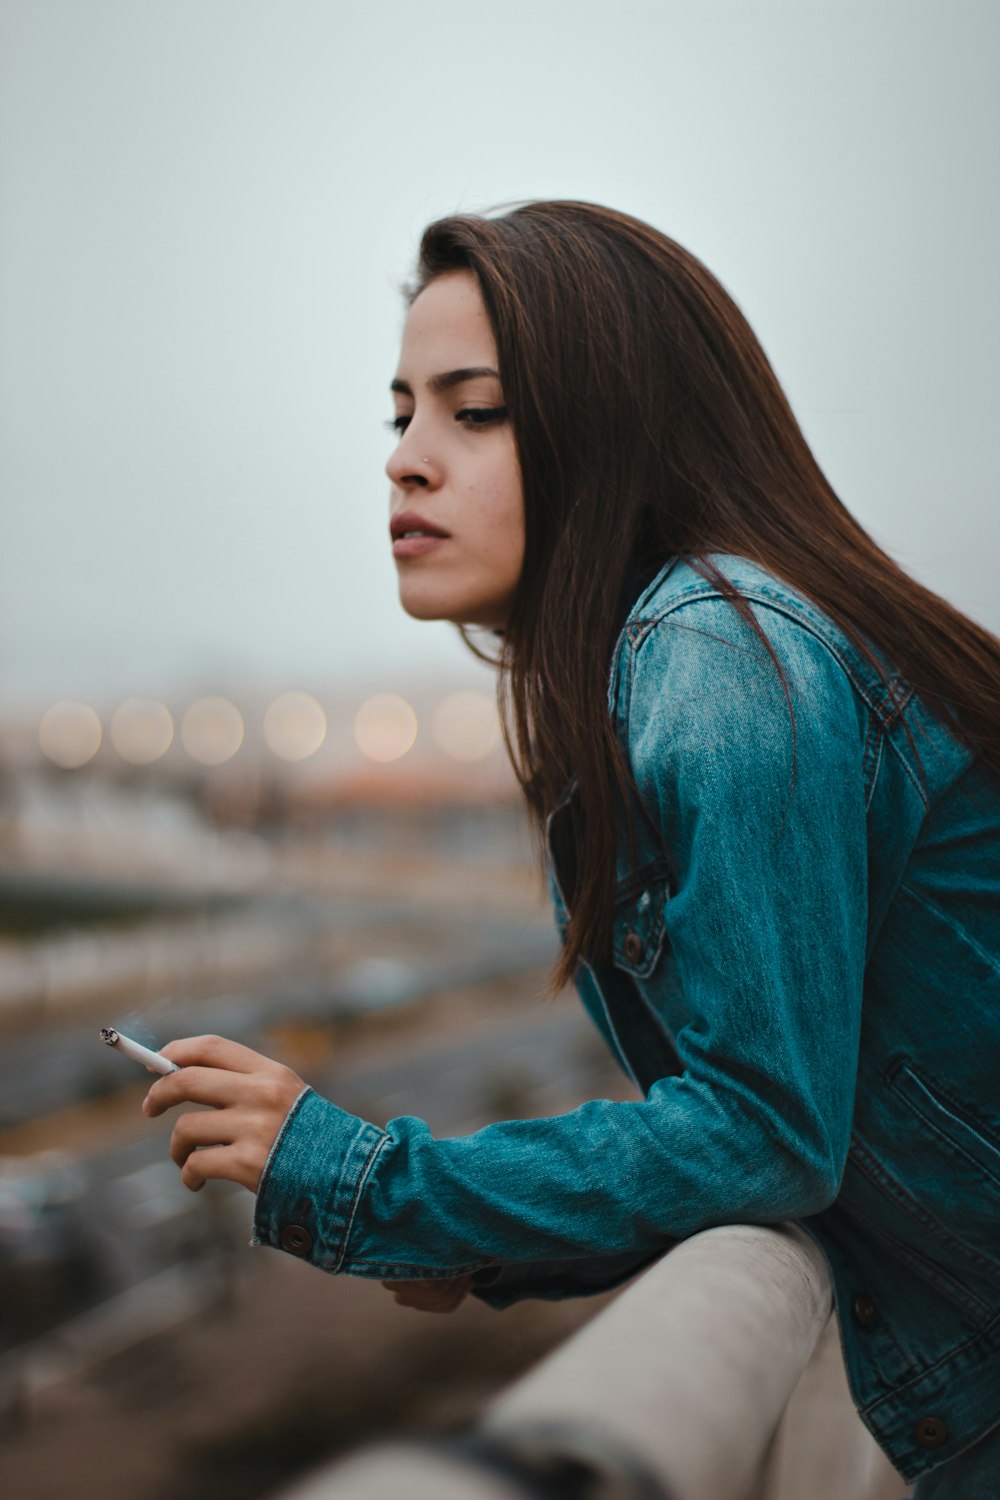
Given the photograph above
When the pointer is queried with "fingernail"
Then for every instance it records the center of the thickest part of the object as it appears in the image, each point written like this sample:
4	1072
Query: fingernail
145	1105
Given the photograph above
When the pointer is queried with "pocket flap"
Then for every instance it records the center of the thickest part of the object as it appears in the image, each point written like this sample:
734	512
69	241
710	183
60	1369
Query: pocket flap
639	925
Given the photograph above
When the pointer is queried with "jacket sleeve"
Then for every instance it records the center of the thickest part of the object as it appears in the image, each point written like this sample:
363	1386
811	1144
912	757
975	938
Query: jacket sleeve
765	924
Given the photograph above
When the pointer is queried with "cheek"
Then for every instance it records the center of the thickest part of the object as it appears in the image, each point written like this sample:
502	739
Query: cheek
504	542
504	518
515	550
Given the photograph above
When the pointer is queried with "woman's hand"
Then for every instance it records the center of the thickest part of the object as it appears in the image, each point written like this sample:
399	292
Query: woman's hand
441	1296
249	1095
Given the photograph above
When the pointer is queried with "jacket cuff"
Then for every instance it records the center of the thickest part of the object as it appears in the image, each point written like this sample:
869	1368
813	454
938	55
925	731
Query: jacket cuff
312	1181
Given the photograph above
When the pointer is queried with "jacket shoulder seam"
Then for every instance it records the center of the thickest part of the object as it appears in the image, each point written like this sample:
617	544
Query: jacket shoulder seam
639	631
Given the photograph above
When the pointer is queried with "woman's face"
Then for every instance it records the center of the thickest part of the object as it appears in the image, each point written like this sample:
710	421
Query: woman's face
456	511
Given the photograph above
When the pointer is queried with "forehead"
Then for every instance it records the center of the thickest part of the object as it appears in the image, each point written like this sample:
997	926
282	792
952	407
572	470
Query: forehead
447	327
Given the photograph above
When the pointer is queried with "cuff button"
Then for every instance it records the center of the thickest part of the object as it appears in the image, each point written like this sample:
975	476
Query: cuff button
930	1432
296	1239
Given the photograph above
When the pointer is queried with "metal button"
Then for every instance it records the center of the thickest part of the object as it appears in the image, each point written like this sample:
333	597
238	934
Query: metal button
930	1432
865	1311
296	1239
634	947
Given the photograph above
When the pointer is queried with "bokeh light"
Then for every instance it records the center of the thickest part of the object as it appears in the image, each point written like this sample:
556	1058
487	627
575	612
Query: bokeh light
294	726
385	727
70	734
465	726
212	731
142	730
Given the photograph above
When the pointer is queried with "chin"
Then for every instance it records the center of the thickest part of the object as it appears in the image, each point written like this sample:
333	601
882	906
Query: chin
422	607
426	606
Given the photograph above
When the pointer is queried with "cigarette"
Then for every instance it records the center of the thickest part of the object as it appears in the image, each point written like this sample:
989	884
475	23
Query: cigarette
137	1052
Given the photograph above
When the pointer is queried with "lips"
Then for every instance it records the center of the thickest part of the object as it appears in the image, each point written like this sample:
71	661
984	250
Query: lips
408	525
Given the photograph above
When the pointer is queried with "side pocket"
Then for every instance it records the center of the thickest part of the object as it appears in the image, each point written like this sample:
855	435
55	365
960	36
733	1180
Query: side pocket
941	1115
925	1173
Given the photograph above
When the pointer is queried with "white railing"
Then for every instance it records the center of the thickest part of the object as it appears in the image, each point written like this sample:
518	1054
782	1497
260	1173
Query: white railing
715	1375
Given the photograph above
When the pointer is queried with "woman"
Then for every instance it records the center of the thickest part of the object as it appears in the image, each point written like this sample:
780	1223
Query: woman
768	768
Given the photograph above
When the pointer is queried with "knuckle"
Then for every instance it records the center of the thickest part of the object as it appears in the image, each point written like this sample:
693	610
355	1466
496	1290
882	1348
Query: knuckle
182	1141
275	1086
190	1178
276	1092
244	1156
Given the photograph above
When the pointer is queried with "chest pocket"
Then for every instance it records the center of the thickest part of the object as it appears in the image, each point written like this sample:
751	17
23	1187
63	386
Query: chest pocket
638	926
638	934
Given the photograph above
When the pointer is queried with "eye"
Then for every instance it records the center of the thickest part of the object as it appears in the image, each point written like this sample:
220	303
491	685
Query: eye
481	416
398	425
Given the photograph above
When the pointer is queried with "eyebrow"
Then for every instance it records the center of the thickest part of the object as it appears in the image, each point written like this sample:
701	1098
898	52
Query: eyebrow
439	383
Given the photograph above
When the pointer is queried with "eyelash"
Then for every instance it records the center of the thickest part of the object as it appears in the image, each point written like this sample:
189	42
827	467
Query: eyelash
471	416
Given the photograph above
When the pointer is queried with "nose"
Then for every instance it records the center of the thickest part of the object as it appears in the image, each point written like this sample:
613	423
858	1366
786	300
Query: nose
407	466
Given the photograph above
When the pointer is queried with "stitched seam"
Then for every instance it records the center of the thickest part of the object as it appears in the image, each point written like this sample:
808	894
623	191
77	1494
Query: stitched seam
945	1359
624	907
877	764
932	1124
286	1125
622	708
654	872
928	1269
896	1193
899	705
967	1115
988	958
620	962
755	596
869	736
619	1049
355	1201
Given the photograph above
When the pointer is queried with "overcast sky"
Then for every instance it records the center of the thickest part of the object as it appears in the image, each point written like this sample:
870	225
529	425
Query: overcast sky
208	206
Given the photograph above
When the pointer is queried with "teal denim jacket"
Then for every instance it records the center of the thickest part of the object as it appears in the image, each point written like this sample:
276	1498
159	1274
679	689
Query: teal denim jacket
804	984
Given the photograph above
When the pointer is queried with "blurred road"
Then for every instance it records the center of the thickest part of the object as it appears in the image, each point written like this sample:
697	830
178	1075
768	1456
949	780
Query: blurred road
132	1306
214	1390
337	959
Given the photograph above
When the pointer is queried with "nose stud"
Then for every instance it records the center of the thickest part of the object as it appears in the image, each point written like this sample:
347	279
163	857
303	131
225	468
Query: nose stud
425	460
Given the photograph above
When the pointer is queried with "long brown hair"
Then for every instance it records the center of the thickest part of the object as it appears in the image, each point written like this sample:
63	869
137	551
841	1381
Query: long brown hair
649	424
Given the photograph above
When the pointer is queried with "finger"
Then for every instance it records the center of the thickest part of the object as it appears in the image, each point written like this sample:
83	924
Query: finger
440	1302
213	1162
195	1085
217	1052
194	1132
431	1296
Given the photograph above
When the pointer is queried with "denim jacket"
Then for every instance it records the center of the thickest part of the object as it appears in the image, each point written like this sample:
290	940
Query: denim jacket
804	985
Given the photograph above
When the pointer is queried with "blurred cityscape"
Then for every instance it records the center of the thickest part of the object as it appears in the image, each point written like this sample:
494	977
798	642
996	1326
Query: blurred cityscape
344	884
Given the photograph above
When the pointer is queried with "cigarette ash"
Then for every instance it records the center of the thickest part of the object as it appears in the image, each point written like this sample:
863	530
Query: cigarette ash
137	1024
